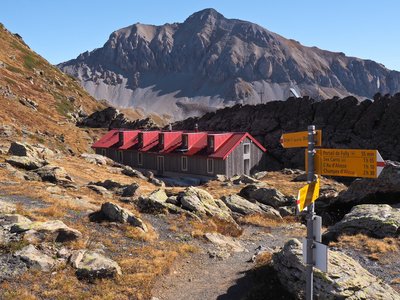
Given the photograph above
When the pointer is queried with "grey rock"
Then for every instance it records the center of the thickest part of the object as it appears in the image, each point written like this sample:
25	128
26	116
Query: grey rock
114	212
99	190
157	182
54	230
96	159
346	278
270	211
35	259
128	171
270	196
377	220
54	174
25	162
91	265
226	242
241	205
260	175
287	211
131	190
245	179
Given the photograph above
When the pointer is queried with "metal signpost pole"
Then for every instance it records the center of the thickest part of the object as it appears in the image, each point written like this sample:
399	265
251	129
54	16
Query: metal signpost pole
310	216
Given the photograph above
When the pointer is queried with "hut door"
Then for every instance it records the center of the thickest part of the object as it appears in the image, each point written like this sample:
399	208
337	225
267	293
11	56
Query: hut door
160	164
246	166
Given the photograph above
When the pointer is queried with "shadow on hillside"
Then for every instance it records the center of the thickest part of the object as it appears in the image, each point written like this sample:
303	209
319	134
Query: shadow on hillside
257	284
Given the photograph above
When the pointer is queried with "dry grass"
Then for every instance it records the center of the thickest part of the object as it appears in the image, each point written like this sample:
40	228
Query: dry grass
264	221
374	248
263	259
140	266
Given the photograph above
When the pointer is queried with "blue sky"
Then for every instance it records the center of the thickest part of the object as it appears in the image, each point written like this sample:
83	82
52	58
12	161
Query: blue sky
61	29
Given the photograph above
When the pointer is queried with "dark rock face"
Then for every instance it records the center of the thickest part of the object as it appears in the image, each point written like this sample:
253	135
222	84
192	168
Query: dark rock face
345	123
111	118
209	60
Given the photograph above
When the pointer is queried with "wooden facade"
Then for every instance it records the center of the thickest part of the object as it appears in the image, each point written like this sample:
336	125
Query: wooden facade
226	154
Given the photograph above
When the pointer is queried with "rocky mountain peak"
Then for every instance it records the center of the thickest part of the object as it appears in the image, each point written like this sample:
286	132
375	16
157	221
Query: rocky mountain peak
209	62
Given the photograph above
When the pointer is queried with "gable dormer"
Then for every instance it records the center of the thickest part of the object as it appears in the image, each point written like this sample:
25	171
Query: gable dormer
127	138
216	140
147	139
169	139
194	140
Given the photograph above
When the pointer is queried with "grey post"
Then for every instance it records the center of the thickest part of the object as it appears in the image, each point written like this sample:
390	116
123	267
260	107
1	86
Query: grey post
310	216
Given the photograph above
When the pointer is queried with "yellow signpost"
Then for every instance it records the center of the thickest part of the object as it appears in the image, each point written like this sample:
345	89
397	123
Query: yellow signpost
348	162
300	139
307	195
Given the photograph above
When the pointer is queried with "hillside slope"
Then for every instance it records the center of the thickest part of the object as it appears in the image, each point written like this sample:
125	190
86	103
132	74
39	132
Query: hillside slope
39	103
209	62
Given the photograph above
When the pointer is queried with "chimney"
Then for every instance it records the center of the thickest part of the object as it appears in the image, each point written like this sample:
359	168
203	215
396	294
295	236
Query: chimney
196	127
170	127
121	138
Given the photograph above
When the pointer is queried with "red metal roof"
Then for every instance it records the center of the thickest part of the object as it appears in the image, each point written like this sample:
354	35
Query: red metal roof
236	138
110	139
197	143
172	141
130	139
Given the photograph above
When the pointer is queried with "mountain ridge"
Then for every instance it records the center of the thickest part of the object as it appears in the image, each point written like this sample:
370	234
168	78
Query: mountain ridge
211	62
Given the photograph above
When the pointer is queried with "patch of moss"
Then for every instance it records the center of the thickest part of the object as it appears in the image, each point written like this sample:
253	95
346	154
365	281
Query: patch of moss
10	81
12	247
30	61
14	69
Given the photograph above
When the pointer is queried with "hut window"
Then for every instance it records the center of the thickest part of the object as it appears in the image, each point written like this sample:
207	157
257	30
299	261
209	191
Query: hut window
184	163
210	165
246	148
140	158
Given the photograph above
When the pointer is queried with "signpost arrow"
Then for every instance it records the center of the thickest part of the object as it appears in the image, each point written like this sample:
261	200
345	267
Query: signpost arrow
300	139
348	162
307	195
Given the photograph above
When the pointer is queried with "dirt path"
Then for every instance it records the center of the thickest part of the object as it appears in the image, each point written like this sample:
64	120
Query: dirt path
202	277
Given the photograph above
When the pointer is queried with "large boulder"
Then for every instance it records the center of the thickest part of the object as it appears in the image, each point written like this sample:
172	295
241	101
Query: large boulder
384	189
33	151
54	230
376	220
268	196
26	162
226	242
114	212
346	278
91	265
35	259
128	171
157	203
245	179
55	174
21	149
96	159
241	205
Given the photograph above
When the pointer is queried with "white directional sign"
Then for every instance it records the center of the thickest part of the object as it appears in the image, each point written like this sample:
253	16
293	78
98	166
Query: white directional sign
320	255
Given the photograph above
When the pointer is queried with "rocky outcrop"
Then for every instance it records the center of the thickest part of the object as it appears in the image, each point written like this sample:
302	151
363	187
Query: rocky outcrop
384	189
35	259
224	242
209	59
26	162
54	230
116	213
346	278
55	174
268	196
91	265
345	123
111	118
376	220
96	159
240	205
